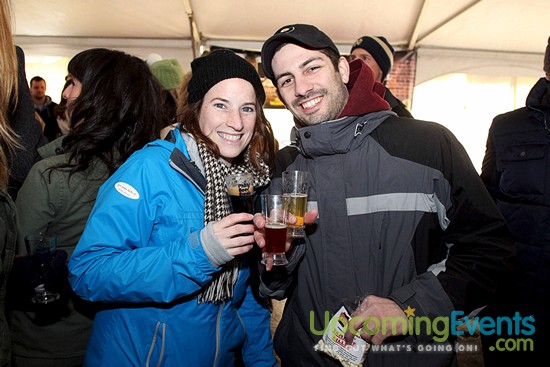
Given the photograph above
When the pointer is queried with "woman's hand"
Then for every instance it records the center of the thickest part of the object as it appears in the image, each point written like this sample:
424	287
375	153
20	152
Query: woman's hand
234	233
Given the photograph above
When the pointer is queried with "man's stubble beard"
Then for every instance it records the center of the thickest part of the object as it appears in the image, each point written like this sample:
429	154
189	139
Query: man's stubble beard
336	106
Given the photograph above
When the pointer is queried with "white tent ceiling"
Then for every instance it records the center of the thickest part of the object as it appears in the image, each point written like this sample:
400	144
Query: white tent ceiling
470	32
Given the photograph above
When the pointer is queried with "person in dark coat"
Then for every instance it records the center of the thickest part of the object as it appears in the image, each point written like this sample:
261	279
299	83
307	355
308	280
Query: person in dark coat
27	128
516	170
45	107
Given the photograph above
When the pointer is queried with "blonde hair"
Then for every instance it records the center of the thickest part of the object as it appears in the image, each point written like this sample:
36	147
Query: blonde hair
8	88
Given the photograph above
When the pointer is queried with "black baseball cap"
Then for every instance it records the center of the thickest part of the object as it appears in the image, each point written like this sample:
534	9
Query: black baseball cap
304	35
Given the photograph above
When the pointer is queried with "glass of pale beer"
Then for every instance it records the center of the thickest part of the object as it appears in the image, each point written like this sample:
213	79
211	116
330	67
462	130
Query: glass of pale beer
295	187
275	213
240	187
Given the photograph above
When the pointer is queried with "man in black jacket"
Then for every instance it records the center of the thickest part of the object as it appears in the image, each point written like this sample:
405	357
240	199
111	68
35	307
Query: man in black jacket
516	170
44	105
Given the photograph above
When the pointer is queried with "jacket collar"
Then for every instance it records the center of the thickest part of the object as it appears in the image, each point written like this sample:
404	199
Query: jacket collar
52	148
180	160
338	136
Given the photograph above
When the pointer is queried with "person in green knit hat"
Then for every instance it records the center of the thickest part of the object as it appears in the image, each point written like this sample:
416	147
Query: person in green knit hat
169	74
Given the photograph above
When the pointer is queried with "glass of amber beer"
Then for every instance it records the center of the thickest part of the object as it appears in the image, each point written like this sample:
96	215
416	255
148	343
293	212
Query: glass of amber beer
240	187
295	187
274	211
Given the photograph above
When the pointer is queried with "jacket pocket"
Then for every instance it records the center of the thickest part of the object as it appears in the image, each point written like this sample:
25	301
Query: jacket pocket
523	170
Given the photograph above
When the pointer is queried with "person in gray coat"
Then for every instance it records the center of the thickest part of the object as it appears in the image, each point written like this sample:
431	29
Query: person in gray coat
404	229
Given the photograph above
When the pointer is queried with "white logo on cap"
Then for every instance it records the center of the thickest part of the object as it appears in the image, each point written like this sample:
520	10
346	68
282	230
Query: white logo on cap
286	30
127	190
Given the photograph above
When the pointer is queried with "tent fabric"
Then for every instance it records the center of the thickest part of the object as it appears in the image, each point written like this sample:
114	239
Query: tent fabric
449	35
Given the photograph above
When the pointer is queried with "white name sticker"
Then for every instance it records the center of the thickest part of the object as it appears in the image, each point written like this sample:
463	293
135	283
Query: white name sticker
127	190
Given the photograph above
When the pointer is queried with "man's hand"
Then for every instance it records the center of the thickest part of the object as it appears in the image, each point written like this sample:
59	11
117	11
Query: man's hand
367	320
259	232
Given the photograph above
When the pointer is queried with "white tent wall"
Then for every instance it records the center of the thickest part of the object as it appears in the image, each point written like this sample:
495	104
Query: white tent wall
465	90
433	62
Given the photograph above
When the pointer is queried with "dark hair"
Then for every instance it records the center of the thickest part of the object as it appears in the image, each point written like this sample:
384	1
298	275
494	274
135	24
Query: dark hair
118	111
37	79
59	110
262	144
333	56
170	104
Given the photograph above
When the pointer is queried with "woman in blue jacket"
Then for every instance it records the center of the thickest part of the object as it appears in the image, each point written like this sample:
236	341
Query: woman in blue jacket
162	250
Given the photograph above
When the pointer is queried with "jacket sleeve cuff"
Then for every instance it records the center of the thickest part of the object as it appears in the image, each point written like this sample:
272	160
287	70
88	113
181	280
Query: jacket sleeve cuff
294	255
216	253
426	296
274	283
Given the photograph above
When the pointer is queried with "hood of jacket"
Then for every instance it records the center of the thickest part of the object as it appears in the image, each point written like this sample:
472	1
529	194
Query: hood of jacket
365	94
539	96
538	102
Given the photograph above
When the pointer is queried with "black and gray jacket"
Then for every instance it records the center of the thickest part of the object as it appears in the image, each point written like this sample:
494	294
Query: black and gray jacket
402	214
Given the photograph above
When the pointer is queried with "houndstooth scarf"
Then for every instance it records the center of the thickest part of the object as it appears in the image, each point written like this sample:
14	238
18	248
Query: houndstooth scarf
216	207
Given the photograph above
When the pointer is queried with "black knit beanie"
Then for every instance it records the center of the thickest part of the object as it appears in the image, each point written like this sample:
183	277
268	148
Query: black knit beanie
380	49
547	58
218	65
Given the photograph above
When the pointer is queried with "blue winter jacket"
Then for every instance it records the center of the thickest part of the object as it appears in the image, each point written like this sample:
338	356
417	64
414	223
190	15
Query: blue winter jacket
141	254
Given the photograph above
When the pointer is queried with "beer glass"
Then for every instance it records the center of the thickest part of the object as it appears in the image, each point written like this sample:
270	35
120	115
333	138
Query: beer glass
274	211
295	187
42	246
240	187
